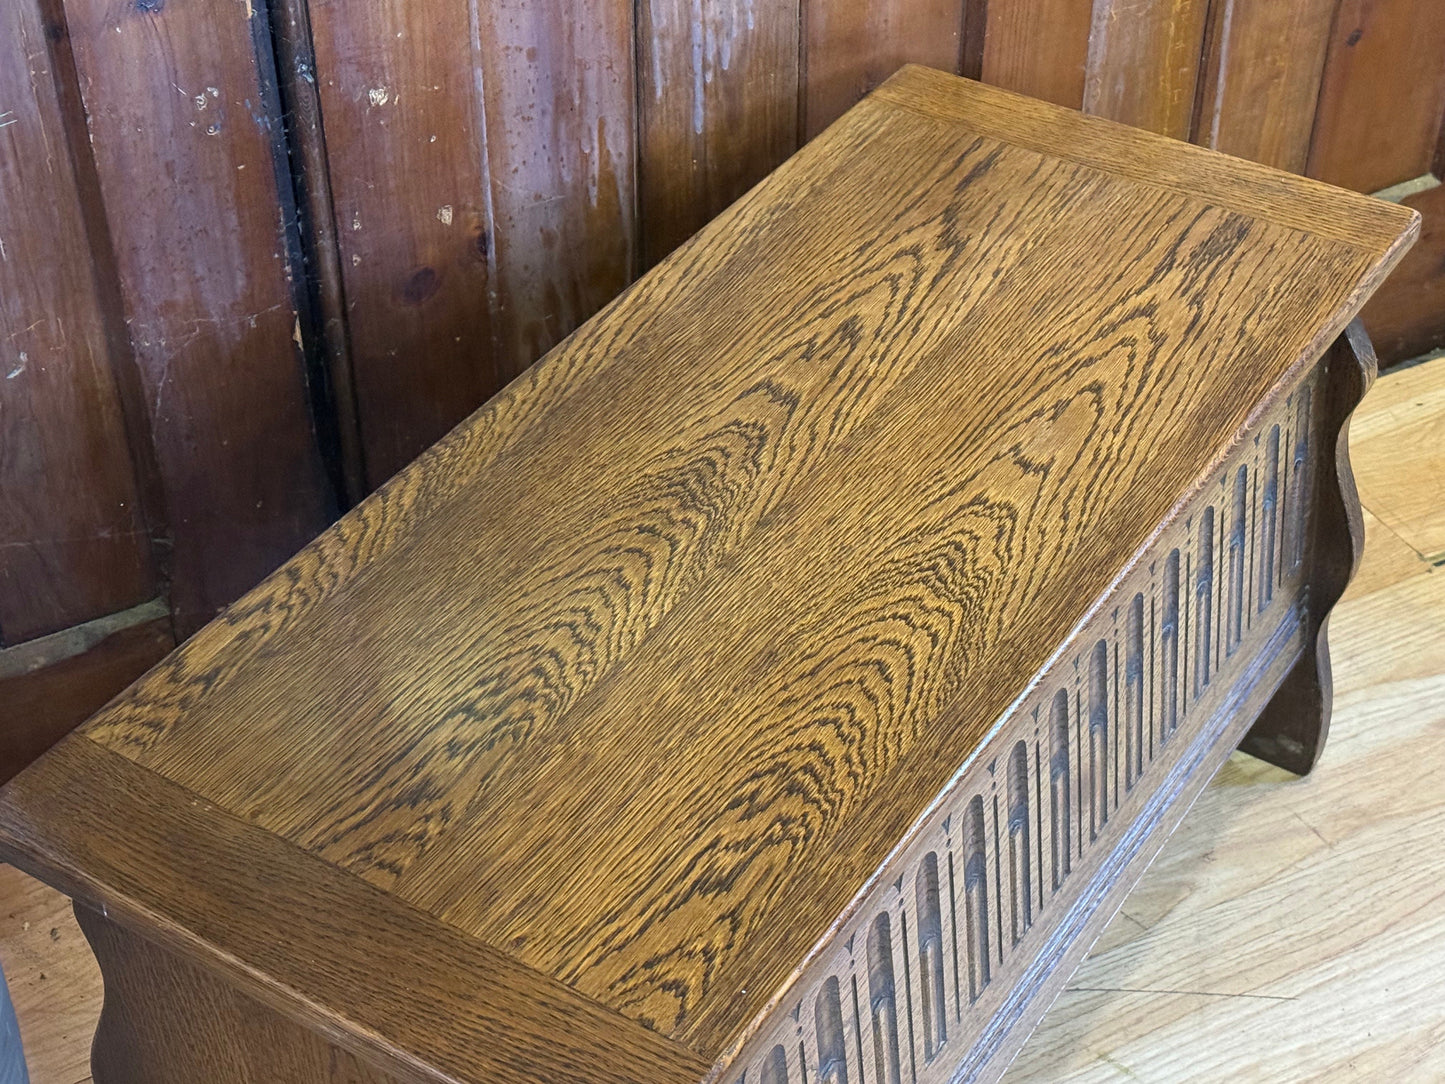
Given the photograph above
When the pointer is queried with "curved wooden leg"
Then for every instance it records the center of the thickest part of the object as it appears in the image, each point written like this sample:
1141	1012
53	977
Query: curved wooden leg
1291	730
166	1021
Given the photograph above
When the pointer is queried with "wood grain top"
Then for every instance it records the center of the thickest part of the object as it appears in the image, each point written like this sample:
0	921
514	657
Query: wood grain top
634	679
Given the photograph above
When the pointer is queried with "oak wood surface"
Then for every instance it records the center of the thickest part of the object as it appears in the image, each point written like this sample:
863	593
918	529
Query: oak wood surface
382	998
675	705
1165	991
229	1033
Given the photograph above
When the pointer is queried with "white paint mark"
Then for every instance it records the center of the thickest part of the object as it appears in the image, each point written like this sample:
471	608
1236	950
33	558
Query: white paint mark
698	67
5	256
214	129
444	215
378	96
356	220
201	101
355	260
214	92
13	119
23	361
433	139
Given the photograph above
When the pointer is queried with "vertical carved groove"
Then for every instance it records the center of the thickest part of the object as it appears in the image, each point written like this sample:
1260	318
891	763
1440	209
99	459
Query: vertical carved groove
1267	524
1036	824
1018	841
775	1067
912	1044
1204	592
1046	801
953	929
1169	648
858	1029
930	957
832	1044
882	1003
1059	828
1239	509
1134	691
1298	499
975	896
1098	738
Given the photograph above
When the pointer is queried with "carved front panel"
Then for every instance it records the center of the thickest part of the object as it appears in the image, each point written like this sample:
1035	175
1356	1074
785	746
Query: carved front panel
926	975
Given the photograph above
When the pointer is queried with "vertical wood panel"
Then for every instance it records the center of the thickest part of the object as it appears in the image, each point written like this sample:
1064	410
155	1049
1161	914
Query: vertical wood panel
481	160
851	47
73	544
718	94
323	326
1406	317
181	126
1262	79
560	102
40	706
400	92
1038	47
1382	95
1144	63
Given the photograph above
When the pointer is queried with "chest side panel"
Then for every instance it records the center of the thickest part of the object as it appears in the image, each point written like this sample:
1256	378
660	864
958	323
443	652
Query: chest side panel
923	977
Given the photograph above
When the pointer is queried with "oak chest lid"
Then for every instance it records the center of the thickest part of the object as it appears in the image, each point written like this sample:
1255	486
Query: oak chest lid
555	758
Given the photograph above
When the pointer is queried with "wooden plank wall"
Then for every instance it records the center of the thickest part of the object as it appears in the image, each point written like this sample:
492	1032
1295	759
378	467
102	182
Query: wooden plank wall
220	322
62	560
500	170
157	445
158	431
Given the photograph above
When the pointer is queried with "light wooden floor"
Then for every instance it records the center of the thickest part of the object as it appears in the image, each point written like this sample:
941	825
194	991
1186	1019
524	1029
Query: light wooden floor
1292	930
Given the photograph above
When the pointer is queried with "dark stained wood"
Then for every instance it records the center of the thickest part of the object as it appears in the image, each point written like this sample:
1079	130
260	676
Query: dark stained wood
614	702
849	48
322	323
40	706
1292	728
481	169
1382	94
1144	63
181	129
1406	318
1262	78
406	156
563	204
223	1031
73	542
1038	47
718	107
